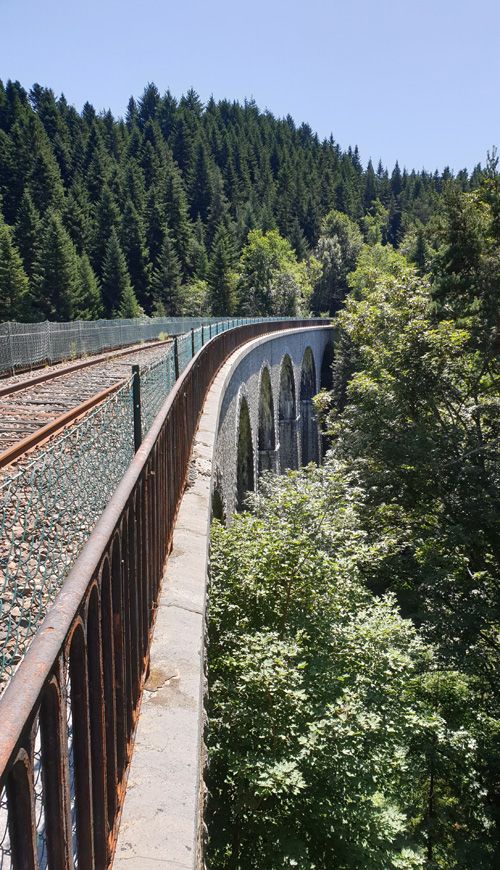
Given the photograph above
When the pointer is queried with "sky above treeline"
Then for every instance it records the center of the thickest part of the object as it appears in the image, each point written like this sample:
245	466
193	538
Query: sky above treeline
413	80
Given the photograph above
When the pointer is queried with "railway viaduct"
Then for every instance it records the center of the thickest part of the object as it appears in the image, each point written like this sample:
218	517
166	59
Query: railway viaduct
126	632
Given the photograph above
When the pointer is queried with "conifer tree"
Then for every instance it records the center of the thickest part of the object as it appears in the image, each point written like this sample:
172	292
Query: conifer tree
133	242
45	181
221	278
178	219
57	294
116	287
89	301
218	212
107	219
128	305
28	237
202	183
76	216
13	279
155	226
7	171
96	164
166	282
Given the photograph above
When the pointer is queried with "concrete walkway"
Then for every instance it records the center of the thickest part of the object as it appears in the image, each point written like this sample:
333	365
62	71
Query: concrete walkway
160	821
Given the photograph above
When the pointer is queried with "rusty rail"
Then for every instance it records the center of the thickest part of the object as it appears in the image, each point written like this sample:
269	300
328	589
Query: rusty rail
68	716
36	439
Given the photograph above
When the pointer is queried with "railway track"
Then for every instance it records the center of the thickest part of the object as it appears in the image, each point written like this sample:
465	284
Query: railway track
34	408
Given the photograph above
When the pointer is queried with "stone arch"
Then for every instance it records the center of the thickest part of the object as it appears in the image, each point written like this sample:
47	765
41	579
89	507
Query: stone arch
326	383
326	374
245	468
287	416
218	512
308	425
266	439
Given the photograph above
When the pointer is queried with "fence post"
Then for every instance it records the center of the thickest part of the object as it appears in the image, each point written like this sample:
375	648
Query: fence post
49	342
192	343
136	398
11	349
202	335
176	356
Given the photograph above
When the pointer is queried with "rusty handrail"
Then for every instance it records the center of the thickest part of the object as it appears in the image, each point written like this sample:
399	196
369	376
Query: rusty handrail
70	709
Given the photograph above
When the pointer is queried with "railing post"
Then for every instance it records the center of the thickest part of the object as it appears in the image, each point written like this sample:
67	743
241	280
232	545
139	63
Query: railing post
192	343
11	349
202	335
136	398
210	330
176	356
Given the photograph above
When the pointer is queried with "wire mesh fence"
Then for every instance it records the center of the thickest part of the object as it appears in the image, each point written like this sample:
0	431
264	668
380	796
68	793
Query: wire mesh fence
26	345
47	511
156	380
49	507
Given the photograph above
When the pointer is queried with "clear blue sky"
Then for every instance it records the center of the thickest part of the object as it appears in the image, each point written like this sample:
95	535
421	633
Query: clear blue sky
416	80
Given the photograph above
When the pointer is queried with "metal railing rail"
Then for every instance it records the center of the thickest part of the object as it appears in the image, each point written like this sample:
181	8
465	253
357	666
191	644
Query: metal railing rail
68	715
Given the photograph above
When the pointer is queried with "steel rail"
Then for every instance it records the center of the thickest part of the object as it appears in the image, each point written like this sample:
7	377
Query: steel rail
88	661
74	367
37	438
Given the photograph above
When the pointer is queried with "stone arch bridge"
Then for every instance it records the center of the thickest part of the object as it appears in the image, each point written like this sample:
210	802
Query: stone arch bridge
126	633
266	420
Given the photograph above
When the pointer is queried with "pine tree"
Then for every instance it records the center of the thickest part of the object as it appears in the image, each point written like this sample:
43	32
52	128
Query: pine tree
56	296
128	306
45	181
76	216
28	238
116	287
107	219
166	283
218	212
133	242
370	191
148	104
221	278
202	184
178	219
13	279
89	301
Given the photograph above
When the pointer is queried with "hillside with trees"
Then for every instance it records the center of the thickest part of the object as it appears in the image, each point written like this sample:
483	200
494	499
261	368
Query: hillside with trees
185	208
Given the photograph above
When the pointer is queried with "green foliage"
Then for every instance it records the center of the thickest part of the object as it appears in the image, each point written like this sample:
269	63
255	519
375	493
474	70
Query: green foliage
56	295
28	236
272	281
336	738
419	429
354	709
336	252
13	279
117	293
89	301
221	278
195	298
166	282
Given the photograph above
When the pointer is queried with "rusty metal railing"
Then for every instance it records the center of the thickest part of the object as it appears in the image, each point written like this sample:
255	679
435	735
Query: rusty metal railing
67	718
